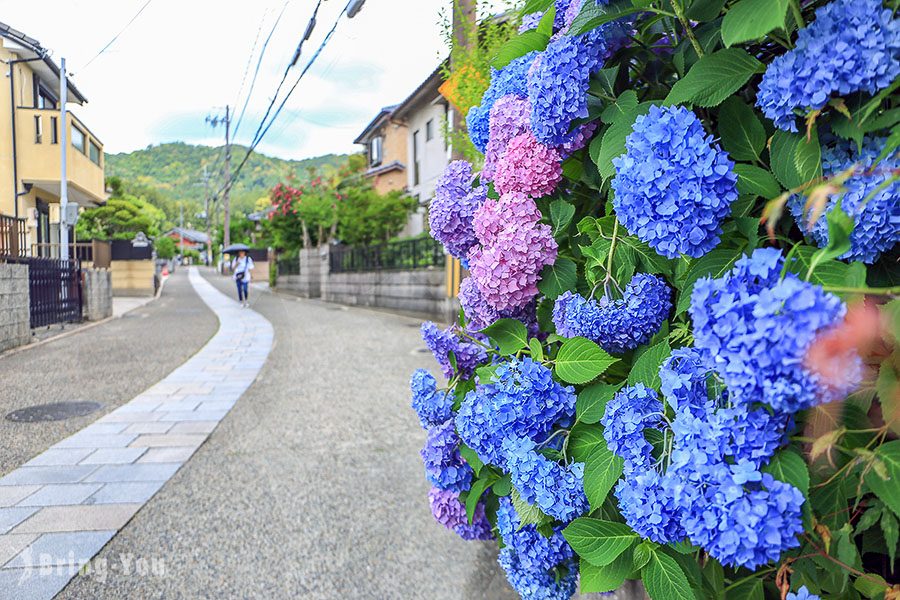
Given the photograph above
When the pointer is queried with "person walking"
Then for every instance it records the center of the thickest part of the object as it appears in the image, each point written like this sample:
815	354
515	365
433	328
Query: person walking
241	267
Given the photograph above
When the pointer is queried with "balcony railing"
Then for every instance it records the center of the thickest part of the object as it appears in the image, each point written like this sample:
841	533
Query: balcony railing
417	253
95	253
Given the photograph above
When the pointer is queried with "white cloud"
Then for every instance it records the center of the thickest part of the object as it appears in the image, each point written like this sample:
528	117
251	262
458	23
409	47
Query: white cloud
183	58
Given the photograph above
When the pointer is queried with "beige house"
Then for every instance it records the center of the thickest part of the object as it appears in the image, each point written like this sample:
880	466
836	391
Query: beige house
385	142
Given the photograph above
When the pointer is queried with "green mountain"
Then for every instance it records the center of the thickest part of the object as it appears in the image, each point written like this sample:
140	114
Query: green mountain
175	171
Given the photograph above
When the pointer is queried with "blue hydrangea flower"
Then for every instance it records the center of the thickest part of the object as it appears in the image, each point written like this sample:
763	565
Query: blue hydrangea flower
512	79
758	329
442	342
444	467
802	594
453	208
673	186
647	507
432	406
852	46
685	377
538	585
534	551
558	491
617	325
451	513
530	21
877	221
479	313
632	410
521	401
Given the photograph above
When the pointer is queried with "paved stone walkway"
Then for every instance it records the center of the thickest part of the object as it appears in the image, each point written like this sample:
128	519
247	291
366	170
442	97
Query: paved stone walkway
59	509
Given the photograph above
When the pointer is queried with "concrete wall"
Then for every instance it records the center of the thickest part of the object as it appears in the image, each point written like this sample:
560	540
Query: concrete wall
313	269
15	319
133	277
97	293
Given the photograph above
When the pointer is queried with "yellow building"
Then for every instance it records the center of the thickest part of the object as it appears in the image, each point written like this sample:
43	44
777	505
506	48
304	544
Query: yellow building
30	156
385	142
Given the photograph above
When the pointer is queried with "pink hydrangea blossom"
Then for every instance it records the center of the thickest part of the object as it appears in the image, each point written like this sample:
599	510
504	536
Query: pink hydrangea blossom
510	116
494	216
528	166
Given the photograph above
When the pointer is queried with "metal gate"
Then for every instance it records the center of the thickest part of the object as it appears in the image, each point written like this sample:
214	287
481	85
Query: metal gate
55	289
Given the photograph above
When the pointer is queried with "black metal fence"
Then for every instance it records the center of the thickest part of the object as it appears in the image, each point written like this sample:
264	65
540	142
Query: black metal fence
288	266
416	253
12	237
54	288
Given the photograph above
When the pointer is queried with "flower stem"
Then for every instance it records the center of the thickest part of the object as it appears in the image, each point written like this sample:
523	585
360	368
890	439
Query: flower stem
679	12
891	291
612	251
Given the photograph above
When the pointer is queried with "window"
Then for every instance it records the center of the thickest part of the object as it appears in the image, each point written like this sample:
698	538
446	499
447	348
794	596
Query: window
95	153
376	150
38	129
44	98
415	153
429	130
78	138
54	130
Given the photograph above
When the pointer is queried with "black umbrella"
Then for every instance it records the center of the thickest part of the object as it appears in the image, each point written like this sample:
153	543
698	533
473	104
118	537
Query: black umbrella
235	248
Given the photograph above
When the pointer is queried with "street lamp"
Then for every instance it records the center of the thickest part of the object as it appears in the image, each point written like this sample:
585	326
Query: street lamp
354	7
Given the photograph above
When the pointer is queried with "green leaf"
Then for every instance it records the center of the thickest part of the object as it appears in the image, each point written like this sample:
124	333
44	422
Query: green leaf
626	102
509	335
606	79
545	26
808	157
593	15
741	131
471	457
757	181
580	360
704	10
715	77
613	142
607	578
651	261
561	276
827	272
643	553
533	6
537	351
561	213
891	534
519	46
750	20
478	488
591	403
503	486
597	541
665	580
871	585
794	160
840	226
601	472
748	589
486	373
887	490
529	514
713	264
584	440
789	467
646	368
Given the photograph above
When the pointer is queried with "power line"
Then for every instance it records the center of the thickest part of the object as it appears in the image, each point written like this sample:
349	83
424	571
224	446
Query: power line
115	37
250	57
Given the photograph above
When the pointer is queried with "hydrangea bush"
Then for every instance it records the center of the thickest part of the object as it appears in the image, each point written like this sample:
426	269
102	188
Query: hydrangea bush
676	358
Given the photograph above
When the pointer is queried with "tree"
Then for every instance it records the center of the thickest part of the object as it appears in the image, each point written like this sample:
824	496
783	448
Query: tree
165	247
121	218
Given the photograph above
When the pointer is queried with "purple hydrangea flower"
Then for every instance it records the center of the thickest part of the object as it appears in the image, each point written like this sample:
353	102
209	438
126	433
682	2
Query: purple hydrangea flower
444	467
558	491
479	313
510	117
535	551
511	79
852	46
877	219
673	187
451	513
444	342
617	325
521	401
453	207
432	406
757	328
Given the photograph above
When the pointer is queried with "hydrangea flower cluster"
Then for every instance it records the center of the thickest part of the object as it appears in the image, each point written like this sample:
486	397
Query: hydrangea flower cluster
852	46
451	513
514	249
444	342
530	21
539	585
673	187
453	207
631	411
877	219
432	406
509	80
758	328
444	467
617	325
528	166
510	117
479	313
535	551
521	401
558	491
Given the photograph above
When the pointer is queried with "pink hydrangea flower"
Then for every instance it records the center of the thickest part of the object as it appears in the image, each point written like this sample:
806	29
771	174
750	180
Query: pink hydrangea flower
494	216
529	167
510	116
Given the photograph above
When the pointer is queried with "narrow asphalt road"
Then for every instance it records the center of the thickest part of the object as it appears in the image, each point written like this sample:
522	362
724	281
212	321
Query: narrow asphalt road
110	363
311	487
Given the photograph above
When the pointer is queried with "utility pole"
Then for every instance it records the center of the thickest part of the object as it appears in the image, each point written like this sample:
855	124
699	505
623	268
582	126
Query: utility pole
225	200
209	250
465	34
63	178
181	229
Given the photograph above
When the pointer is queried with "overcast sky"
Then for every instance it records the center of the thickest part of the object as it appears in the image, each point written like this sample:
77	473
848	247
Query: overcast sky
182	60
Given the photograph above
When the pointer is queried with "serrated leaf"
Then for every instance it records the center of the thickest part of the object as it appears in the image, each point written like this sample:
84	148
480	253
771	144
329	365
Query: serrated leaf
601	472
891	534
789	467
704	10
757	181
748	589
537	351
545	26
887	490
591	403
650	259
646	368
533	6
613	141
471	457
715	77
519	46
580	360
561	213
561	276
529	514
829	273
503	486
741	131
808	157
509	335
713	264
795	161
642	554
584	439
594	15
475	493
871	585
664	579
752	19
840	226
607	578
597	541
